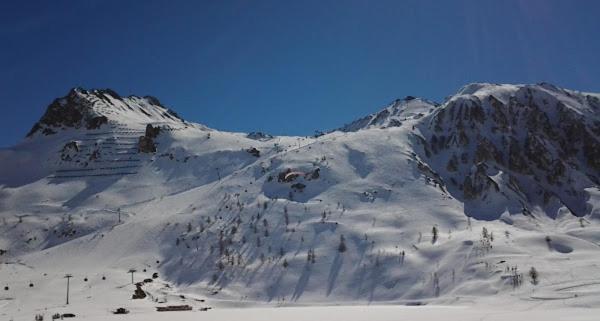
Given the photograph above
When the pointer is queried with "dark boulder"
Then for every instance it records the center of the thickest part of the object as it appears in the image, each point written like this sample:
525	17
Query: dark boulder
138	293
253	151
121	311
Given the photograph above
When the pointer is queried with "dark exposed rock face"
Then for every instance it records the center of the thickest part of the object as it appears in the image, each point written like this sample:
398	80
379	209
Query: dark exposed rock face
153	100
93	109
259	136
146	143
171	114
96	122
152	132
431	175
69	151
72	111
71	146
478	182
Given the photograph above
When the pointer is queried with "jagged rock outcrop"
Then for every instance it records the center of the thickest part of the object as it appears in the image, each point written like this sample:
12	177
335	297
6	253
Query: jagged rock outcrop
146	143
69	151
259	136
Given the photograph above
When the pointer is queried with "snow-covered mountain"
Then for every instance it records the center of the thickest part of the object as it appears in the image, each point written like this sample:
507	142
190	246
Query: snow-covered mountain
420	202
393	115
92	109
515	148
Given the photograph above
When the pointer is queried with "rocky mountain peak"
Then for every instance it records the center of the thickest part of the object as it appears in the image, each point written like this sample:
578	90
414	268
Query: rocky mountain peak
90	109
539	143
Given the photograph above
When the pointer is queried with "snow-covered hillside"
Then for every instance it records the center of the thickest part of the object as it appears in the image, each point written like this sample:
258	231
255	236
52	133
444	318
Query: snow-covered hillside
420	203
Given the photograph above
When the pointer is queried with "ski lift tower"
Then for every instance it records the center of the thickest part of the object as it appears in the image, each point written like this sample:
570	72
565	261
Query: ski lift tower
68	276
132	271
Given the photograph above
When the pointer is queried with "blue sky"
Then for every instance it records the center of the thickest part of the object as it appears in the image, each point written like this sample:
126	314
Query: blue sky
285	67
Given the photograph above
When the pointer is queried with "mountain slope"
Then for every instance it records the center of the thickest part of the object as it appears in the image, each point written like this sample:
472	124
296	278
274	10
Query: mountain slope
420	202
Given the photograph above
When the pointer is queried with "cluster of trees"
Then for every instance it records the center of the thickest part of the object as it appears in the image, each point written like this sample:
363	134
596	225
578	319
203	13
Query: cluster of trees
516	278
485	241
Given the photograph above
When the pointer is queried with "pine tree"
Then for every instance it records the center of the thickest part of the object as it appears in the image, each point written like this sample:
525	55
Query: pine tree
342	246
